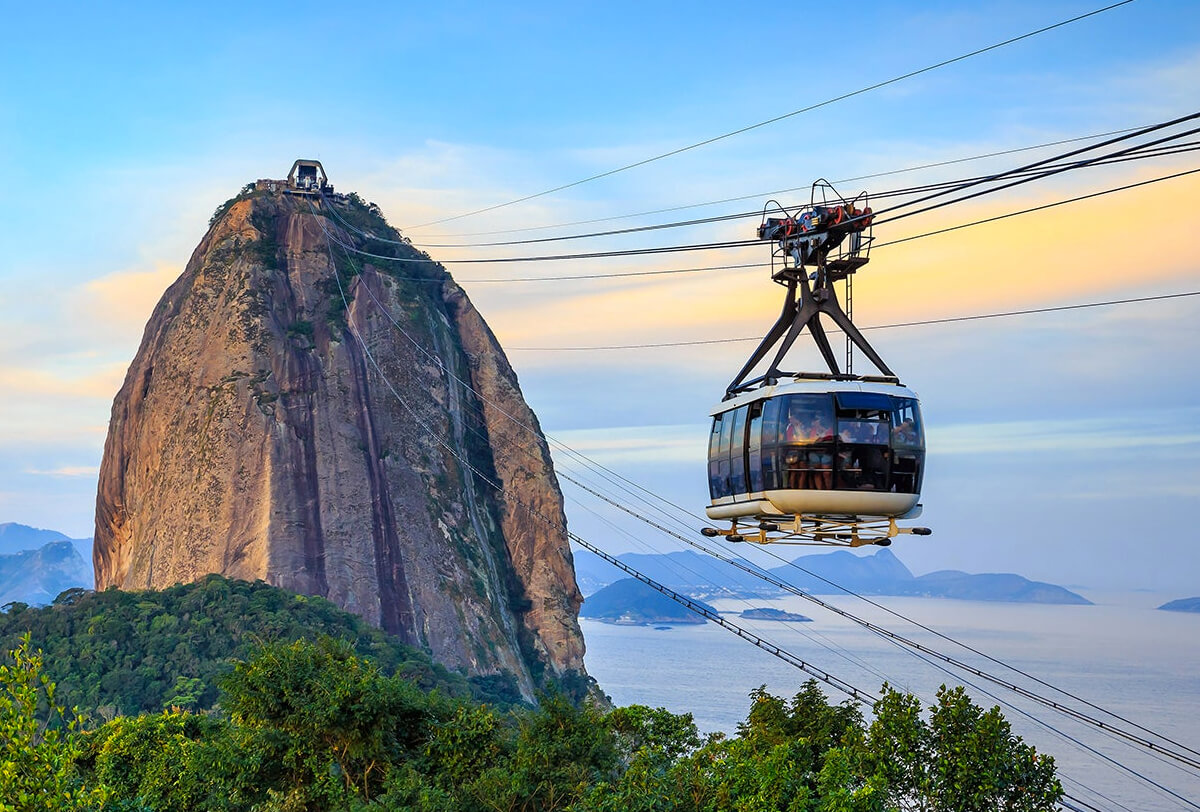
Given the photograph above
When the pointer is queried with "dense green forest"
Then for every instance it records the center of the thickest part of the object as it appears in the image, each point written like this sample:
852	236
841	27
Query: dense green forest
117	652
310	720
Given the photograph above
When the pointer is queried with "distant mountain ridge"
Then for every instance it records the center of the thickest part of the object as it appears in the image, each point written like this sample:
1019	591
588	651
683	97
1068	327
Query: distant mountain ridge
36	577
1182	605
883	573
17	538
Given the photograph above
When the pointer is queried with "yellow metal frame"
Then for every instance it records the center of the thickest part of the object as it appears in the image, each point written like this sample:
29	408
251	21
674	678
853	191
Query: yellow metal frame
823	531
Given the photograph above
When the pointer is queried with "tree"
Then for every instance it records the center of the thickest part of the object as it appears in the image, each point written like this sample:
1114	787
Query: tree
342	722
38	742
964	759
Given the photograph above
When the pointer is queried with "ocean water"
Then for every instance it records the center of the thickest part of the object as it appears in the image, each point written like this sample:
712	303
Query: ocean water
1120	654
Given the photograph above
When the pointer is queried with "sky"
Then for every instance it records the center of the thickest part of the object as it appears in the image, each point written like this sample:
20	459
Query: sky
1064	446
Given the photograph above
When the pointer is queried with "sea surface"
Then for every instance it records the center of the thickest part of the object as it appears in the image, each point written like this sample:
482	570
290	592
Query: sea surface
1120	654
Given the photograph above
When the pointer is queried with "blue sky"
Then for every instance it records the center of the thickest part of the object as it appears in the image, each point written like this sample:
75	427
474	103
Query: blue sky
1063	446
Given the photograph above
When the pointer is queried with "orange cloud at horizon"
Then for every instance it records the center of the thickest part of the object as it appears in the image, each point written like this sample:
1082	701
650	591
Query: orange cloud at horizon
1132	242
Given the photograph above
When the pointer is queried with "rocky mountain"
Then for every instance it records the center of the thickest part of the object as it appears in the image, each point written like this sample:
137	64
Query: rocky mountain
36	577
333	423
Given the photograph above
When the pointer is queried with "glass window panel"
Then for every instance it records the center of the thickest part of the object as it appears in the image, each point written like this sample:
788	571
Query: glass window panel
863	400
805	451
807	419
907	431
770	444
737	452
723	453
754	468
714	450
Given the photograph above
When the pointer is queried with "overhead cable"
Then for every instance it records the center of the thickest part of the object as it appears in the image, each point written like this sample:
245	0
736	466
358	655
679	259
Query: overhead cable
1139	152
742	243
776	192
778	118
779	652
980	673
921	323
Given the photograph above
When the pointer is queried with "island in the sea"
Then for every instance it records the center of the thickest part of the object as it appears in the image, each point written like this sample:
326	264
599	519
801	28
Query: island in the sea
1182	605
629	602
766	613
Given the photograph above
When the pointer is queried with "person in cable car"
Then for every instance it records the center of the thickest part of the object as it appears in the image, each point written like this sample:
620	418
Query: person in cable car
808	467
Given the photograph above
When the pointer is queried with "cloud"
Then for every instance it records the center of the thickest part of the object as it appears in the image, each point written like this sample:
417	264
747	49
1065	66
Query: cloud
124	299
101	381
634	444
1145	430
1072	253
67	471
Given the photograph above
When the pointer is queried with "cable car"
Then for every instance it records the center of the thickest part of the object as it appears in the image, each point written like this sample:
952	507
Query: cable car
825	458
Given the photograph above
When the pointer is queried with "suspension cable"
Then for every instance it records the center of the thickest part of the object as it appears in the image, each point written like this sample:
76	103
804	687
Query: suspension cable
806	109
874	627
777	192
779	652
920	323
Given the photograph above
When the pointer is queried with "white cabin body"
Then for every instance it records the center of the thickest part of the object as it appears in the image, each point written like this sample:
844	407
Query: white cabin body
817	448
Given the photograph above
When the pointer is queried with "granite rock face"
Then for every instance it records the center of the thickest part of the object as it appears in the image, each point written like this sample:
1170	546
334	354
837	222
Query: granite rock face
336	424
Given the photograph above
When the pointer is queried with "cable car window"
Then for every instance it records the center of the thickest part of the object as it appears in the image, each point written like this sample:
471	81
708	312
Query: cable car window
737	452
805	450
771	478
723	455
864	431
908	444
807	419
754	467
906	424
714	449
863	401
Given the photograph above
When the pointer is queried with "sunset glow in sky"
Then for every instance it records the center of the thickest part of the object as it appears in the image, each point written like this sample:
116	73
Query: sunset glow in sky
1064	446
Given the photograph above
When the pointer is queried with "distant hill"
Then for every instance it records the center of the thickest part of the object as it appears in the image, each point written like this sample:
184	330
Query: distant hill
992	587
630	602
84	546
37	576
17	538
774	614
883	573
878	574
692	573
1182	605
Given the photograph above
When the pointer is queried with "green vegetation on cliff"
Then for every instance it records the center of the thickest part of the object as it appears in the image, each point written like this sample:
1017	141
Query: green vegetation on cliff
117	652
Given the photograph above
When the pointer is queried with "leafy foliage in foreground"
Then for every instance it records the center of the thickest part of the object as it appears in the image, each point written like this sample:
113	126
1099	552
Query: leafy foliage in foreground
38	745
312	726
327	723
117	652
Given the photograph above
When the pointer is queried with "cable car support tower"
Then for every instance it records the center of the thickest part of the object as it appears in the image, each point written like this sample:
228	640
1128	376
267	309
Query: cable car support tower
824	244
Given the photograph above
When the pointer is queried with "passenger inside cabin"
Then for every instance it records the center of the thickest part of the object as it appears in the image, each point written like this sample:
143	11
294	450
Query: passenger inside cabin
808	468
905	434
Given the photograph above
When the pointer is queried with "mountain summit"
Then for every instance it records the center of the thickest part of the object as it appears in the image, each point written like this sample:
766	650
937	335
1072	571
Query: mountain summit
330	422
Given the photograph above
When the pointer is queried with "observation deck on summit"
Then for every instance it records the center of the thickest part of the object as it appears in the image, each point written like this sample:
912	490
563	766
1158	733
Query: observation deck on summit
307	178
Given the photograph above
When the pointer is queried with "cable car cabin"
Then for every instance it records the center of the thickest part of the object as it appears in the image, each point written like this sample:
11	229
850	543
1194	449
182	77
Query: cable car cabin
832	454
